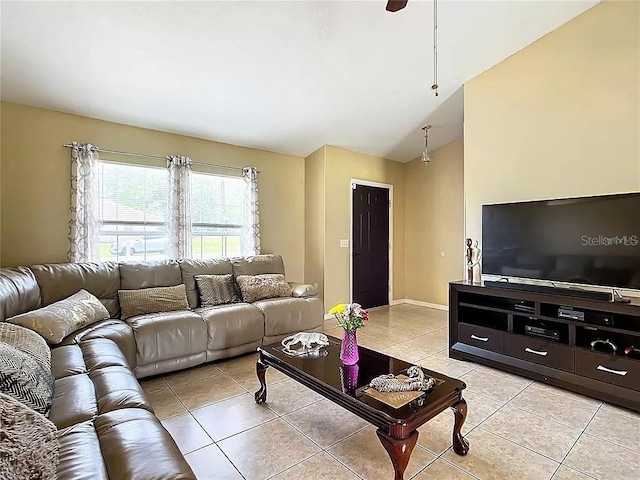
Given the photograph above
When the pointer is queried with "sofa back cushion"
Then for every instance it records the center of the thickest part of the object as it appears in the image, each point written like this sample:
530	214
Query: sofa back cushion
61	280
137	275
19	292
191	268
258	265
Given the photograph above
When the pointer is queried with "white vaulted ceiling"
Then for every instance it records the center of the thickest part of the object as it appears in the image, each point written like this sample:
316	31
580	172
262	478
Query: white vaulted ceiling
281	76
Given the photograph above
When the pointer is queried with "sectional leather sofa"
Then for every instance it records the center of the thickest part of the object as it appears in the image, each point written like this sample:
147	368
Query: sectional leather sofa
106	425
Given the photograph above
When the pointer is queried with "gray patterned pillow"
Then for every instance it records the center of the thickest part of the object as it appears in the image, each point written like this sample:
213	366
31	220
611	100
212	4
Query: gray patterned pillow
59	319
152	300
25	367
259	287
216	290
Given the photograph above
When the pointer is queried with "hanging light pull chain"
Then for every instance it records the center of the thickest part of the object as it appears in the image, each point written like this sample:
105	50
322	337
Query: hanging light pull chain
434	87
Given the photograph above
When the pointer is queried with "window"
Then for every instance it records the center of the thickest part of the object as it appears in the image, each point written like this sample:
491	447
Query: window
217	215
133	210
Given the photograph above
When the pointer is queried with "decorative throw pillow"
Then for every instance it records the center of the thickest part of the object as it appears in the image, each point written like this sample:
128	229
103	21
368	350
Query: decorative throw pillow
152	300
28	444
216	290
56	321
259	287
25	367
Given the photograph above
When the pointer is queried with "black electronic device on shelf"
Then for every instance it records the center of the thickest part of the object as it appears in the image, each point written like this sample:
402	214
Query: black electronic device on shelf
543	332
525	306
594	318
569	292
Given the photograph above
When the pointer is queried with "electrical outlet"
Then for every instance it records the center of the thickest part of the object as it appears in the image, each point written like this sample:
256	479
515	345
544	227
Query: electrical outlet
344	243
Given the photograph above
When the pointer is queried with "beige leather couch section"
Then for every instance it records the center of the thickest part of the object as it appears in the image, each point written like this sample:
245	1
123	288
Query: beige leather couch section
99	407
165	342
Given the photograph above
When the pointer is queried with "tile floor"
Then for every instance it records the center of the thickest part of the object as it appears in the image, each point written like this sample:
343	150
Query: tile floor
517	429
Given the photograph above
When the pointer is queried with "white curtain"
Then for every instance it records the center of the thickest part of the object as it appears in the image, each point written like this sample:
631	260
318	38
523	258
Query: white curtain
179	221
85	221
251	214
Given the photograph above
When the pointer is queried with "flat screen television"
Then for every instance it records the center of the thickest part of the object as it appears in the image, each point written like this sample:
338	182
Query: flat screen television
587	240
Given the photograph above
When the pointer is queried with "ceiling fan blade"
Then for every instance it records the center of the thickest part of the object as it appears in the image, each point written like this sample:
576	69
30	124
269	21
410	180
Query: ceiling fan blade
395	5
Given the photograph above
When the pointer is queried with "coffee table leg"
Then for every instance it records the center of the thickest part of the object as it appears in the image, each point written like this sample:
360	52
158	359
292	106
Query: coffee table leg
460	444
261	369
399	451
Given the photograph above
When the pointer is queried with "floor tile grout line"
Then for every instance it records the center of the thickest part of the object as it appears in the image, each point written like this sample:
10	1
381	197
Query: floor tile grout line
442	457
576	442
343	464
223	453
519	445
434	459
573	397
538	416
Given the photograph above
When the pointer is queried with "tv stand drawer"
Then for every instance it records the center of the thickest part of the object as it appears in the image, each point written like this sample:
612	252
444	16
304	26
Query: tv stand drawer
608	368
543	352
482	337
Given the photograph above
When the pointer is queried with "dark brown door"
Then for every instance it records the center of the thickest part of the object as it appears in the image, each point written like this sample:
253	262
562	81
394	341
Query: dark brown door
370	246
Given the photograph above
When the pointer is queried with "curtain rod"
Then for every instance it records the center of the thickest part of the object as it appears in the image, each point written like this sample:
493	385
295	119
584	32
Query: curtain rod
144	155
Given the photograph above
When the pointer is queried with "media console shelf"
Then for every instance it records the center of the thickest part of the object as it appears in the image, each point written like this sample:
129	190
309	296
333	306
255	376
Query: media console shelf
521	332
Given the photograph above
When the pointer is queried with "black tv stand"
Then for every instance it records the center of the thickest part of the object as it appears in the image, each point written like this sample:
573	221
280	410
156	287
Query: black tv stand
522	332
569	292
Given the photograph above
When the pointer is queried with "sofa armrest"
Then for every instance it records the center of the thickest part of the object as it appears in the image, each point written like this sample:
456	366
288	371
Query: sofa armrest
303	290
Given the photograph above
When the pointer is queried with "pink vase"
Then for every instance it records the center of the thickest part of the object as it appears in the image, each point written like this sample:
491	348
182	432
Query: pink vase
349	347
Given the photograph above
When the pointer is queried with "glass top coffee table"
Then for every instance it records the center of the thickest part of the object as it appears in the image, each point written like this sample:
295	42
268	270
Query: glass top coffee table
323	372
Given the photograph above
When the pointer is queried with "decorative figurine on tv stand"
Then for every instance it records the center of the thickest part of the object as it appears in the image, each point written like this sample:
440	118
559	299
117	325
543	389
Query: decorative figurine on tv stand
472	257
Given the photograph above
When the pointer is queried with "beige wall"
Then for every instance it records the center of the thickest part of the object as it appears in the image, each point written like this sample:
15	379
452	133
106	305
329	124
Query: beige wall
314	186
434	221
341	166
559	118
35	182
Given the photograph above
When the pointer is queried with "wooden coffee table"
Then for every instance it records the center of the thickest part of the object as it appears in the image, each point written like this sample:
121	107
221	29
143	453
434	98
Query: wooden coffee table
344	385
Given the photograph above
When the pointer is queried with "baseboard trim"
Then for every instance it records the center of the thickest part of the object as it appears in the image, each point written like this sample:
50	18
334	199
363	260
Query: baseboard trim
419	303
408	301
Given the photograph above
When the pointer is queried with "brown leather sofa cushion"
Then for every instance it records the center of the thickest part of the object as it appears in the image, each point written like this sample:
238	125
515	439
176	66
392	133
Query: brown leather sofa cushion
136	275
168	335
67	360
115	330
79	455
19	292
102	353
106	427
290	315
74	401
92	378
191	268
58	281
116	388
258	265
129	440
233	325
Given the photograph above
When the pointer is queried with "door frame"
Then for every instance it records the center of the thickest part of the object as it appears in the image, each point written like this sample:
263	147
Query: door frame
367	183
